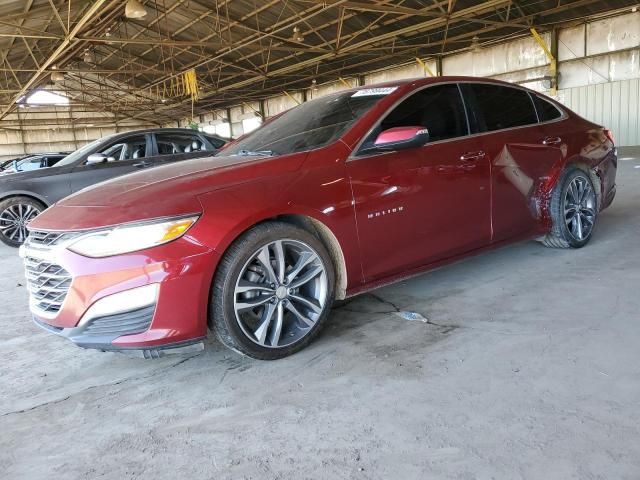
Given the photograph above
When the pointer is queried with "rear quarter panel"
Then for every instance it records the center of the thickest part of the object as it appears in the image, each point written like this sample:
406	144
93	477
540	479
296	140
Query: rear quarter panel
585	145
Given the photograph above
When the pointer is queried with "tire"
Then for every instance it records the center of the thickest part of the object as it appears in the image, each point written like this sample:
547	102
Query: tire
15	214
574	210
287	310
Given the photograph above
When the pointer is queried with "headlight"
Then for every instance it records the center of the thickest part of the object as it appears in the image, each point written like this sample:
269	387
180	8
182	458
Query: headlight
130	238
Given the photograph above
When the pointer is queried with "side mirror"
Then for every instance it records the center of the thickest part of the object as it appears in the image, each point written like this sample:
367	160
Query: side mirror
98	158
401	138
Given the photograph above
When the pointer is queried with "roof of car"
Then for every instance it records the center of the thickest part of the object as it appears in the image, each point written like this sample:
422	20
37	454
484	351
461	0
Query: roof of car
426	80
162	130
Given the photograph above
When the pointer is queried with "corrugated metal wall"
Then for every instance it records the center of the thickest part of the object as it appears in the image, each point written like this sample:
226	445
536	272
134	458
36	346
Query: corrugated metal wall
616	105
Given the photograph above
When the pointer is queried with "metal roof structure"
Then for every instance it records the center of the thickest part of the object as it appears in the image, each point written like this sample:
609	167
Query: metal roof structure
241	50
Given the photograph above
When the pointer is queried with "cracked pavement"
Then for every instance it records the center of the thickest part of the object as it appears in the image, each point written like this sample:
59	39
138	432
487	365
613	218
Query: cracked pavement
527	368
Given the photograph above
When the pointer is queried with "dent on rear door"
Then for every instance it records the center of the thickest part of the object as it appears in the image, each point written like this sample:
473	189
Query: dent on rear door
521	167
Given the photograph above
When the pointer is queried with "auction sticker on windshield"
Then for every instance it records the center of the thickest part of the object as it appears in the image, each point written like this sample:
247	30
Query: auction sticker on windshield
367	92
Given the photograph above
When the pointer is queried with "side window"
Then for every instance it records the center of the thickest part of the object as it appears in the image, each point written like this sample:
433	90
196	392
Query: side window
439	109
503	107
134	147
547	111
127	149
175	143
114	151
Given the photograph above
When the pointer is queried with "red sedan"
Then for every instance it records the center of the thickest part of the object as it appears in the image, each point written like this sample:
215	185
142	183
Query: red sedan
337	196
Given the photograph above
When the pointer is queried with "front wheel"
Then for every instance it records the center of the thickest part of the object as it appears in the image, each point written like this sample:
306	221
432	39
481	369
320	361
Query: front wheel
15	215
272	292
574	209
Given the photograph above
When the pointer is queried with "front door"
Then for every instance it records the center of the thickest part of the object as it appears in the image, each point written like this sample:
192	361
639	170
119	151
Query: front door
421	205
128	155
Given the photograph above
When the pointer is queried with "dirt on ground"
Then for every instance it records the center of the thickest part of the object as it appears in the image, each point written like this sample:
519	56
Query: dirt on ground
522	363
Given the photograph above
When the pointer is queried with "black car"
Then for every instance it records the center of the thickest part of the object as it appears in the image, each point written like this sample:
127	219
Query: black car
23	195
32	162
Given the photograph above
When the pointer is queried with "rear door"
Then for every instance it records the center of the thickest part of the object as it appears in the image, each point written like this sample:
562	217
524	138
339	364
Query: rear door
519	156
420	205
128	153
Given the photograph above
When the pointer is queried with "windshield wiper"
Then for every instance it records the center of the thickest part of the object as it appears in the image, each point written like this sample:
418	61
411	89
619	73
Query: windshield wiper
257	153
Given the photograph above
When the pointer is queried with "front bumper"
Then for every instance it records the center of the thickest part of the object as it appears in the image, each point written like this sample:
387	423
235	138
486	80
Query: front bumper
104	303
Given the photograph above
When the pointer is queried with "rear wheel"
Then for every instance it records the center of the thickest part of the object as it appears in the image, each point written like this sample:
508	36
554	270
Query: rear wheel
574	209
15	215
272	292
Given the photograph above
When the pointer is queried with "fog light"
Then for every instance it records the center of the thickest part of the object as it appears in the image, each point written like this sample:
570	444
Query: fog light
121	302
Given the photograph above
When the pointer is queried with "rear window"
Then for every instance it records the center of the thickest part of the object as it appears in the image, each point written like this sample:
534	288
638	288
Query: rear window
217	143
547	111
502	107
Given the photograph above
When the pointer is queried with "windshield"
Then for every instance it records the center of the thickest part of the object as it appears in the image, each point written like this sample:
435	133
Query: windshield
31	163
8	164
309	125
83	151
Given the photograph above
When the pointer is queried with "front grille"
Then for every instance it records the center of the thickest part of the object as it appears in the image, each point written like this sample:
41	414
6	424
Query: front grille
47	283
41	239
127	323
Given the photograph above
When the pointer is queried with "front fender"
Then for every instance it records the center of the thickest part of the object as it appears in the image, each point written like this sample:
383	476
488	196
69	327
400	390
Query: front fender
23	193
322	195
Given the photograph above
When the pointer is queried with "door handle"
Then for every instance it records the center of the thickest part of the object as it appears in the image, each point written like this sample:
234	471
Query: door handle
142	164
551	141
470	156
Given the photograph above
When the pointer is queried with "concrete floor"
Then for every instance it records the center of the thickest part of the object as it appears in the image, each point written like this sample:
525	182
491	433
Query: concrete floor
528	369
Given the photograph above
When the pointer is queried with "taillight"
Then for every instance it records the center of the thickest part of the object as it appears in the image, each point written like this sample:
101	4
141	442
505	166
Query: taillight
609	135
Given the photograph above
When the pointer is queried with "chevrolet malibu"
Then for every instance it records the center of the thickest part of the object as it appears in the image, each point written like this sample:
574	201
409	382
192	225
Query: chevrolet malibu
335	197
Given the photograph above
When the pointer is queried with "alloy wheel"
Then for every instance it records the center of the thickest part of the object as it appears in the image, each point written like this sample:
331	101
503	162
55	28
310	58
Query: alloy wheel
580	208
14	220
280	293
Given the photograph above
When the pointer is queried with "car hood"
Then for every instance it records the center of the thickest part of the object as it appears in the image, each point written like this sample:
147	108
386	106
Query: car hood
159	192
12	175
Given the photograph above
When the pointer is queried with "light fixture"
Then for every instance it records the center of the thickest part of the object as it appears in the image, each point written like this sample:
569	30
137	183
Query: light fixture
88	56
297	35
107	34
57	77
314	85
134	9
475	44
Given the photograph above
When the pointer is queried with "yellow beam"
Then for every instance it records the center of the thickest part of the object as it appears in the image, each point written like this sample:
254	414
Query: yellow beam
553	63
424	66
291	97
542	43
